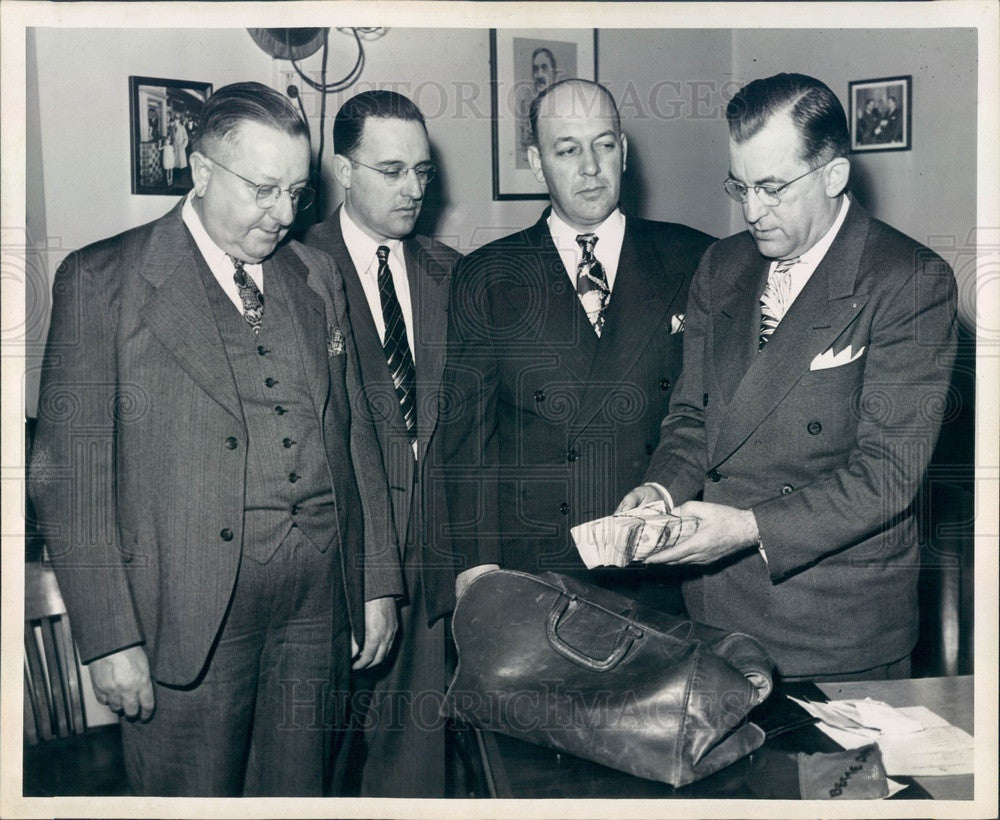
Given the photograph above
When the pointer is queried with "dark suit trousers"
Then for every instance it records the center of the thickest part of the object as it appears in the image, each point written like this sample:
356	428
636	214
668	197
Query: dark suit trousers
398	704
258	721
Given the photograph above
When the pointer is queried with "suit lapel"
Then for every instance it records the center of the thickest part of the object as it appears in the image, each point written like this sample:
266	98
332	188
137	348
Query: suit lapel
178	312
640	288
737	323
429	284
544	293
375	373
286	272
825	307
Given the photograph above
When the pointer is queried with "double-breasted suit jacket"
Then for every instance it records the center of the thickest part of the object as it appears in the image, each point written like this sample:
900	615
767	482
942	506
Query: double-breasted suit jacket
825	434
548	425
139	463
416	487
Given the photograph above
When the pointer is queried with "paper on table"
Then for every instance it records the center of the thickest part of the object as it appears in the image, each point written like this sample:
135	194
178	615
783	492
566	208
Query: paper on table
937	748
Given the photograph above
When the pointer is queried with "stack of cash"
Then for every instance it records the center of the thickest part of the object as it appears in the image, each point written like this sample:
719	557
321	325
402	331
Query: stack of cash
622	538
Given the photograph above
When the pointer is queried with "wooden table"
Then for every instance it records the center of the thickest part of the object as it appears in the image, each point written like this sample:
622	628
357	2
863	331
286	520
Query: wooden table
516	769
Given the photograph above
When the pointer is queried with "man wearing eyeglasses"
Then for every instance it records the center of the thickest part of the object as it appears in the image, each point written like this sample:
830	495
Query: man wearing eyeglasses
816	365
216	529
397	289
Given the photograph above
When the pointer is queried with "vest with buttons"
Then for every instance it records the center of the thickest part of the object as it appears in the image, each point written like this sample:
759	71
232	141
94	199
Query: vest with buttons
288	484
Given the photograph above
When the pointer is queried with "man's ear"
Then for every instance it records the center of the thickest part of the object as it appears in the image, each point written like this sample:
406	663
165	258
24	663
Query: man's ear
201	173
535	161
837	175
342	169
624	153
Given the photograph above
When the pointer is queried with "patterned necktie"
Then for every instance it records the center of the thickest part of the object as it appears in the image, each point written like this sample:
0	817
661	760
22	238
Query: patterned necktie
253	299
592	283
775	300
397	349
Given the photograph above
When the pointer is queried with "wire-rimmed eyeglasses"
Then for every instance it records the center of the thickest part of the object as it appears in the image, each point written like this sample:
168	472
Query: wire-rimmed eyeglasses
267	195
768	194
395	174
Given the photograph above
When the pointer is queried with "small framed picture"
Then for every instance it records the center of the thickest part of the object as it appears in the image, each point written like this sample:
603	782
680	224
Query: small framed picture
880	114
163	116
523	62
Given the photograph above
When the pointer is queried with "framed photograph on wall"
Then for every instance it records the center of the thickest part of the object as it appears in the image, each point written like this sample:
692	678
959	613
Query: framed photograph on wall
880	114
522	63
163	115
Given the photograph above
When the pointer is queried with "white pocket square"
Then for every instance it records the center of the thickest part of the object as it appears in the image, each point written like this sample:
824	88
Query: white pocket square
677	323
828	359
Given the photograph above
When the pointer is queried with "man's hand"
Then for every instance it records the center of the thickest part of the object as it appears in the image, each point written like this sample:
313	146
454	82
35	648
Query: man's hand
643	494
381	624
466	577
121	681
721	531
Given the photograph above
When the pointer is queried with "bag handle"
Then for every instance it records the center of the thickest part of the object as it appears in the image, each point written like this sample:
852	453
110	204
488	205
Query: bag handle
625	639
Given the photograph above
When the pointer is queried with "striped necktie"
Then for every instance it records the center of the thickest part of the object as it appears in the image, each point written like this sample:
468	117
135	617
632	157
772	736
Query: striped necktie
775	300
250	295
397	349
592	282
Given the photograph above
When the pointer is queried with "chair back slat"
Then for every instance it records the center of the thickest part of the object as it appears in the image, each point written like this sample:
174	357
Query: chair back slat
53	691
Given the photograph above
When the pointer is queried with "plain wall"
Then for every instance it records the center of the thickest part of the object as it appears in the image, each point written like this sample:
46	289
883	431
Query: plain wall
670	86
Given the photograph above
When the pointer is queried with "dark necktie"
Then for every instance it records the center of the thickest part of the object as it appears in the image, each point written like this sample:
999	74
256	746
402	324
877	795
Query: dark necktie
252	298
775	300
397	349
591	282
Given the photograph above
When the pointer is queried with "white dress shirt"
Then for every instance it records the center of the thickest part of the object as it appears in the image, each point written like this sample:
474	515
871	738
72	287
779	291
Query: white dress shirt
218	260
362	249
608	249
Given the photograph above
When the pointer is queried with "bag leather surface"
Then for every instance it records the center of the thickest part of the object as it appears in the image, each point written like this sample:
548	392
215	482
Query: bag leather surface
567	665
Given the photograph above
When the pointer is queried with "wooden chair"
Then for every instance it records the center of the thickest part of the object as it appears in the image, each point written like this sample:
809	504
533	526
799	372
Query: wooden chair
61	755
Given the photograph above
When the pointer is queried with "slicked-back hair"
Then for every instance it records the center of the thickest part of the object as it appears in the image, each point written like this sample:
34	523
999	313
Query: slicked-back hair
543	50
349	123
813	107
536	104
238	103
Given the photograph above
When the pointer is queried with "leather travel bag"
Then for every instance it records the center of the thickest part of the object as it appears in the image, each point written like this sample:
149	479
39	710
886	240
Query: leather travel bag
564	664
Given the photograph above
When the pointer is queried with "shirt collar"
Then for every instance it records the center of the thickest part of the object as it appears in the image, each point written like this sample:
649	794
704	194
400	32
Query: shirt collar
610	231
812	257
362	247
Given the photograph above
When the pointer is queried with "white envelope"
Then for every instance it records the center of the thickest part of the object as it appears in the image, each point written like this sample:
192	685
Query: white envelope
828	359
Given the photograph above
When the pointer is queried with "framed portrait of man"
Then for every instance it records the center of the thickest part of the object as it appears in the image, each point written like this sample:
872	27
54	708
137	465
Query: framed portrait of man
523	63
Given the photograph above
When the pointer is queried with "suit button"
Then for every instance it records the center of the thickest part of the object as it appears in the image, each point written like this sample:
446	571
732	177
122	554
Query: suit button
539	395
704	400
664	384
714	475
295	509
287	443
269	382
814	428
572	455
226	534
786	489
649	449
293	477
231	443
280	410
262	351
564	508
